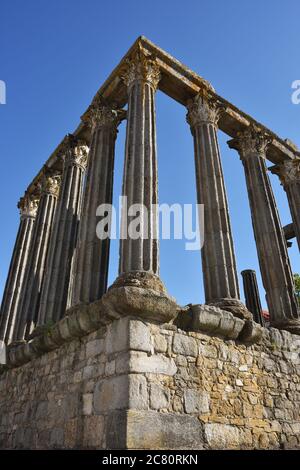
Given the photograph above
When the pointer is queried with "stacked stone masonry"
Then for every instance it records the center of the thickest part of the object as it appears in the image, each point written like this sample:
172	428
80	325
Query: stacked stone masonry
135	384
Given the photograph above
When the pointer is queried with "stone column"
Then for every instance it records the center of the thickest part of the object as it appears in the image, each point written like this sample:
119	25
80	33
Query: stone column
271	245
92	258
252	295
28	208
218	258
33	279
289	174
139	257
65	226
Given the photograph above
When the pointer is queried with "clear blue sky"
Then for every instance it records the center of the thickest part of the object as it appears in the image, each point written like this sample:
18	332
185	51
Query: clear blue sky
56	54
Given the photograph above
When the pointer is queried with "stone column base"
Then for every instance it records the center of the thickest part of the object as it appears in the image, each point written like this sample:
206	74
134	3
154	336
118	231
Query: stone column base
293	326
140	294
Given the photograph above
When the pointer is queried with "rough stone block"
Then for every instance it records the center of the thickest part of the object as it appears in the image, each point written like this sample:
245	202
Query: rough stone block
221	436
156	364
196	401
128	334
185	345
159	397
87	400
153	430
121	392
94	347
93	432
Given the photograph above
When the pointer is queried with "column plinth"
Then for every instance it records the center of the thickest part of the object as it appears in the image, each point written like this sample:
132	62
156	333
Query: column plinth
218	258
92	253
289	174
271	245
63	241
33	279
28	208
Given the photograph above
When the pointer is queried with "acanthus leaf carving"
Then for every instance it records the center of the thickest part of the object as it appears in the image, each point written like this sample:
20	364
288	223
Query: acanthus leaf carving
28	205
50	182
252	141
288	171
100	114
75	151
203	109
141	67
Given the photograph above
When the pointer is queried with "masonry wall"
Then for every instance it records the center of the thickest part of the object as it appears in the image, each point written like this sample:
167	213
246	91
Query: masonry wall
135	384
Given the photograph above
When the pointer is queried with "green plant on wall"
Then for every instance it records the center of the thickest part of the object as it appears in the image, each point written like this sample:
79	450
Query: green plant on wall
297	286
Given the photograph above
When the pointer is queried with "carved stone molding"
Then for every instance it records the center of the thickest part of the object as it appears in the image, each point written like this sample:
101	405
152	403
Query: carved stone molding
140	67
100	114
28	205
251	141
203	109
288	172
75	152
50	182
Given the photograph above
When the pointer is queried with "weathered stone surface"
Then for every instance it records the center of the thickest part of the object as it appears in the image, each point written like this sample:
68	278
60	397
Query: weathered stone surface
127	334
159	397
216	321
152	430
221	436
145	303
185	345
196	401
251	332
88	394
156	364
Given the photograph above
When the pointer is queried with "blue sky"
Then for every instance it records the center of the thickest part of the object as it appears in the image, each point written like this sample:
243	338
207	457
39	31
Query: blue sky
55	55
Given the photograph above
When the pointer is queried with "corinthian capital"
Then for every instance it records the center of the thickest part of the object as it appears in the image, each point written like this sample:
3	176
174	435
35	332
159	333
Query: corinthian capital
50	182
140	67
251	141
99	114
75	152
28	205
203	109
288	171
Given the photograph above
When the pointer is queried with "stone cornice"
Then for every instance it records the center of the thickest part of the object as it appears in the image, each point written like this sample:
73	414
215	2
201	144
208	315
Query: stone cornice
140	67
288	171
